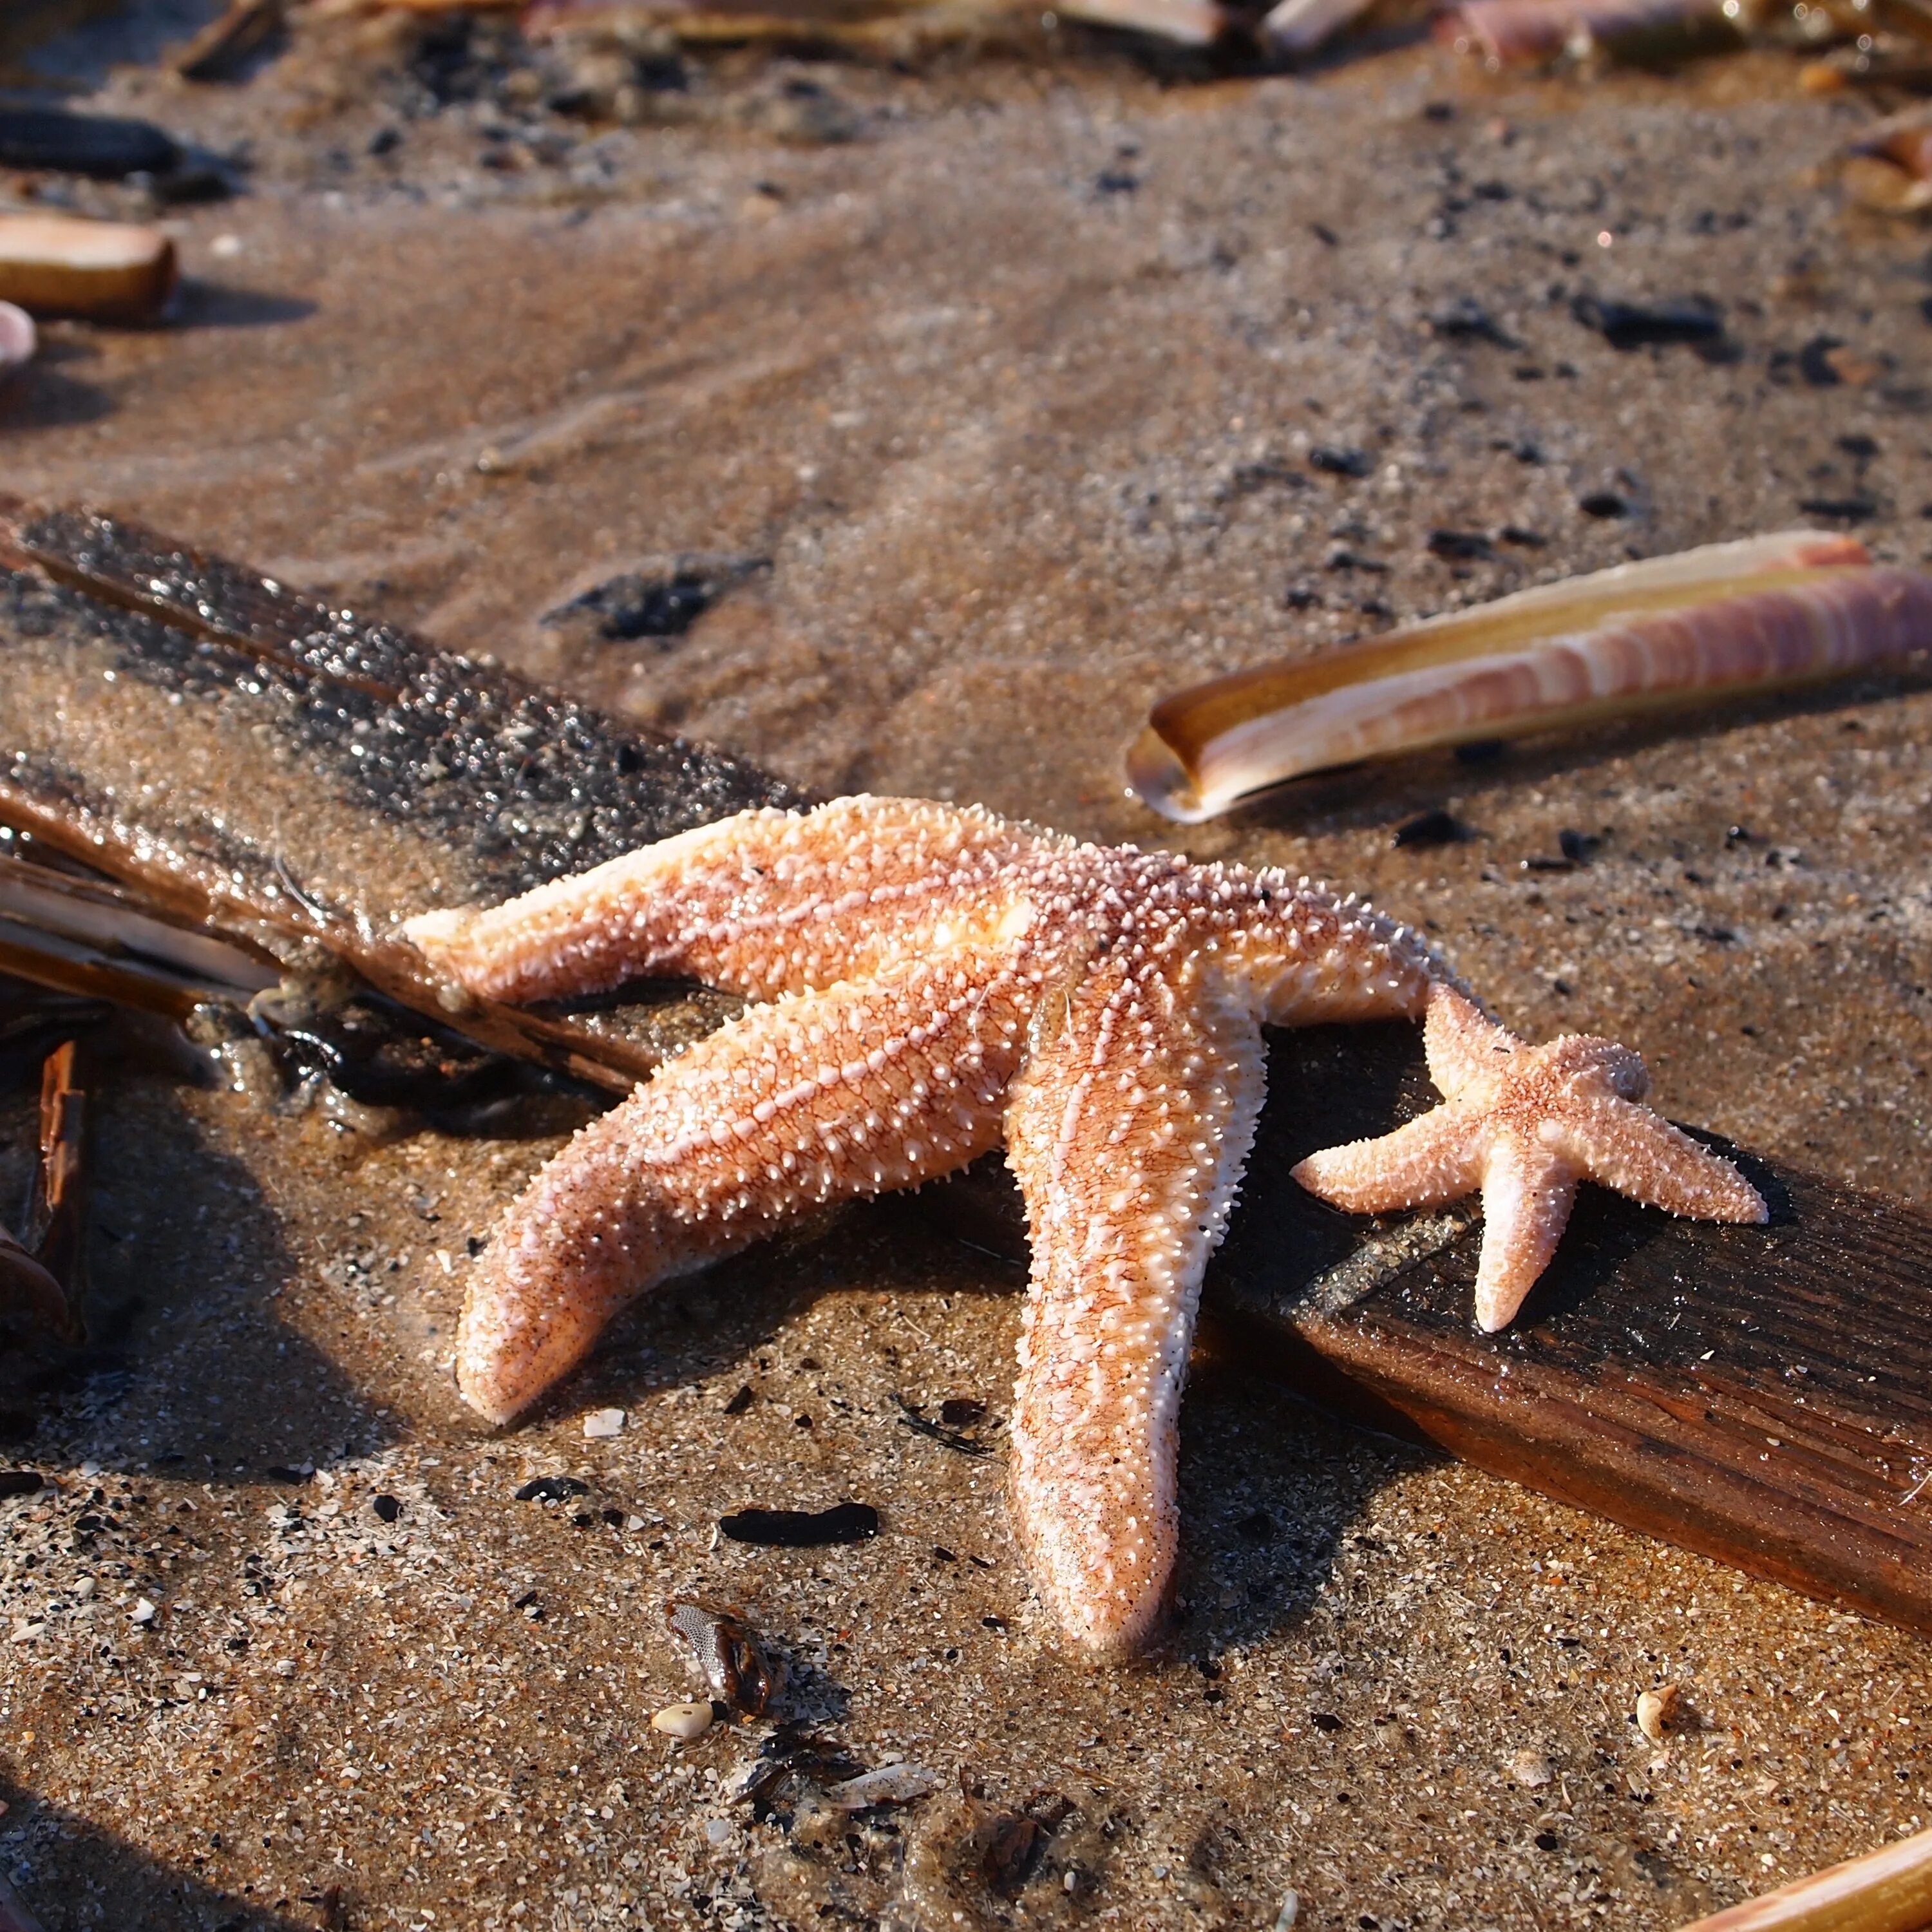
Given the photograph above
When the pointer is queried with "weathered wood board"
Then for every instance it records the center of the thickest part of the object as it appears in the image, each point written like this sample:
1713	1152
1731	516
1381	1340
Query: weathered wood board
244	756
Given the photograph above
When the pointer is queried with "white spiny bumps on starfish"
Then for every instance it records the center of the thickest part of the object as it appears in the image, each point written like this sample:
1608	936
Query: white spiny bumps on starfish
940	980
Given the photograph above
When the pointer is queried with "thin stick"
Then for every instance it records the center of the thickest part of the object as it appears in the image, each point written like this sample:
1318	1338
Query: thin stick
1889	1890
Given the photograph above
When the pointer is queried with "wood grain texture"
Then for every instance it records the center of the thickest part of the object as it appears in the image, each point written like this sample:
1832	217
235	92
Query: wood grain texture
1763	1395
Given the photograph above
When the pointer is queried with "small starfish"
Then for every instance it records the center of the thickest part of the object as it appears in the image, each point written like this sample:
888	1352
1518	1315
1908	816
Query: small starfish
940	980
1524	1124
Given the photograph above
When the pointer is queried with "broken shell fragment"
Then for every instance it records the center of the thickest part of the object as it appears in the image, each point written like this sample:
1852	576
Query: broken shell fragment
1185	23
1513	33
1761	614
1656	1710
17	340
101	270
1889	1890
1300	26
1889	168
730	1660
684	1722
890	1784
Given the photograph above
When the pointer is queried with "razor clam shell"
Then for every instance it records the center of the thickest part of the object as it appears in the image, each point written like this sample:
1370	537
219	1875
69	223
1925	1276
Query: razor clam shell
248	759
1208	746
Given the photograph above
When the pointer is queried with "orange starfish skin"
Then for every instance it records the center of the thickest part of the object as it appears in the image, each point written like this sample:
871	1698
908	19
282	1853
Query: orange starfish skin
1524	1124
940	980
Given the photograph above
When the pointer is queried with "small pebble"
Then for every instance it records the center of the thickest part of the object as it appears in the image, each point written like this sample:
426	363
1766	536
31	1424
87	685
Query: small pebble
601	1423
1655	1709
683	1721
1284	1920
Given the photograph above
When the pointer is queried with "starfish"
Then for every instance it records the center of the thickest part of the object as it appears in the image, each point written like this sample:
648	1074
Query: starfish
938	980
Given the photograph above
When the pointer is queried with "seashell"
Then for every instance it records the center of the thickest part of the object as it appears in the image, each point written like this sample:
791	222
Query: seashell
684	1722
890	1784
1513	33
1299	26
17	340
1185	23
1889	167
1761	612
105	271
1656	1710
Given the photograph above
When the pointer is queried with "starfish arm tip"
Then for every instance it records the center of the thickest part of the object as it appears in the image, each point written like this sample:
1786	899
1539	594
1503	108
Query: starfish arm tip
433	933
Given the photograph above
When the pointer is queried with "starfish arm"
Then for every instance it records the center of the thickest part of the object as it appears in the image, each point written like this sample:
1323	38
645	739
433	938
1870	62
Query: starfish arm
1308	957
1426	1163
851	1091
765	903
1465	1048
1527	1194
1128	1132
1640	1154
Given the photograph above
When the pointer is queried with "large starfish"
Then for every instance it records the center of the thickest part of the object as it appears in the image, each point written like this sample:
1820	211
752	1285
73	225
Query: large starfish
941	980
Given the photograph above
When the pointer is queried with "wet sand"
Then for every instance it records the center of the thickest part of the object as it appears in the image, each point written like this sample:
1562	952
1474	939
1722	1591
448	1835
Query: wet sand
1010	398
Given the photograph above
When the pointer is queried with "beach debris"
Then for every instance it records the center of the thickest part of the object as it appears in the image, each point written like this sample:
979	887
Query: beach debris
1762	613
99	271
21	1482
897	1783
1428	829
1889	167
802	1529
1514	33
1889	1890
57	1210
1636	325
601	1424
684	1722
18	340
52	139
660	602
229	39
1658	1710
733	1663
948	1433
14	1916
44	1274
506	784
73	934
552	1489
791	1764
1186	23
1299	26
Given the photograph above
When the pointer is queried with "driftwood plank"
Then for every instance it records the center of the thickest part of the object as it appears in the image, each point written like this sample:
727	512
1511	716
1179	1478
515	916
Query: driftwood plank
247	758
1763	1395
243	755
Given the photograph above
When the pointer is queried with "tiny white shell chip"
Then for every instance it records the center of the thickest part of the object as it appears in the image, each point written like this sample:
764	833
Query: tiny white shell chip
890	1784
604	1422
683	1721
143	1612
